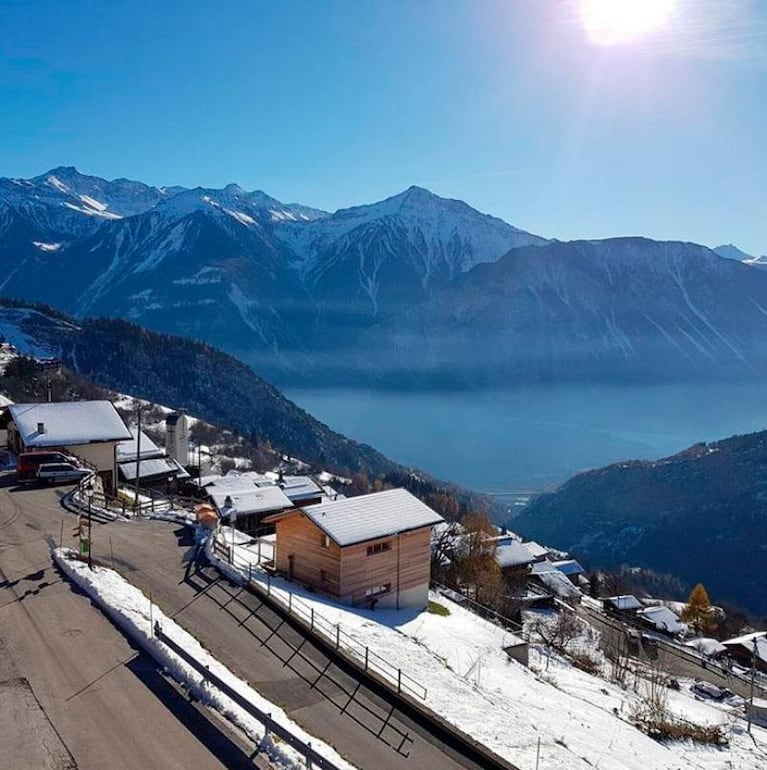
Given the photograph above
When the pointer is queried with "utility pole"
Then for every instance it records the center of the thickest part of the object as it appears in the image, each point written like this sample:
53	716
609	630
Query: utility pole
753	676
138	458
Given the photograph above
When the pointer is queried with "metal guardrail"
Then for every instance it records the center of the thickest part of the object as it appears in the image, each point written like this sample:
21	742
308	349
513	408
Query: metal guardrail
331	633
312	757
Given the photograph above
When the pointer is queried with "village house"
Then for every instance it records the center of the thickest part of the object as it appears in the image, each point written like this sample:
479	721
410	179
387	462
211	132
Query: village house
662	619
88	430
247	507
154	467
370	550
748	650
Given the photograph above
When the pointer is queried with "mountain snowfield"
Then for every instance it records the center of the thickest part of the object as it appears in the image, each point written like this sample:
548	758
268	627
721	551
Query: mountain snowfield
410	291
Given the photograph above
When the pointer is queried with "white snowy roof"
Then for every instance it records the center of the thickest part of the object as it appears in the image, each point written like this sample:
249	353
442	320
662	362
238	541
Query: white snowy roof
558	584
568	567
513	554
68	423
126	450
536	549
252	500
747	641
706	646
300	487
663	619
625	602
155	466
368	517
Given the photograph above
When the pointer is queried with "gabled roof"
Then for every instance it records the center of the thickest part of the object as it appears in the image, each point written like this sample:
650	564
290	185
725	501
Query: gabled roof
299	488
513	554
536	549
153	467
126	450
625	602
68	423
747	641
371	517
568	567
252	500
558	584
663	619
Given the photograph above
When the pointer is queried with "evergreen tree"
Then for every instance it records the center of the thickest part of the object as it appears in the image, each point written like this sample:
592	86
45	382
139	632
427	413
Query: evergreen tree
699	613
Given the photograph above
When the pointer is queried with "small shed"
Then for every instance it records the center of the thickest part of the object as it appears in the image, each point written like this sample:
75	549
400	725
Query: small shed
370	550
89	430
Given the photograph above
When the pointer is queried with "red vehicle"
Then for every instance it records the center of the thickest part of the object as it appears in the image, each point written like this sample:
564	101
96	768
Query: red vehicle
29	462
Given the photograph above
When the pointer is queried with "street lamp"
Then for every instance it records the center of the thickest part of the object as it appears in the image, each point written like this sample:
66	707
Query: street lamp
89	495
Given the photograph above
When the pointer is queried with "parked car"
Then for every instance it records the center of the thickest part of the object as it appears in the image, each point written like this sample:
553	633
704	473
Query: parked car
56	473
28	462
711	691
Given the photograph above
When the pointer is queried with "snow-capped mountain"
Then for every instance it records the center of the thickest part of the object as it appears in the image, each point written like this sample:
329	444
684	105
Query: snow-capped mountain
415	236
412	288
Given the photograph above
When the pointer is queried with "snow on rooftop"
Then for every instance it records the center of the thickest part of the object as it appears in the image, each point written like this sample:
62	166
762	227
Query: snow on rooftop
512	554
252	500
560	719
568	567
127	450
68	423
367	517
663	619
625	602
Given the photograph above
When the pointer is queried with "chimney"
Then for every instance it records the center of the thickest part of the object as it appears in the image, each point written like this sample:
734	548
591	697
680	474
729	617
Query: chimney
41	427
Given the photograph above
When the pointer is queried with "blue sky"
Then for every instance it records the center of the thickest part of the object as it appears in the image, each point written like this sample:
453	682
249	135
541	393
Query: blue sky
508	105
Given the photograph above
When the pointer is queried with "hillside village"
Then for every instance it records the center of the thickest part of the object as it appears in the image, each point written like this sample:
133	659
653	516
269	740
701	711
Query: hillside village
472	626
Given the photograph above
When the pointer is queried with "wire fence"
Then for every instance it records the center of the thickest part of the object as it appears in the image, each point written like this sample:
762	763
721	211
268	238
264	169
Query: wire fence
330	632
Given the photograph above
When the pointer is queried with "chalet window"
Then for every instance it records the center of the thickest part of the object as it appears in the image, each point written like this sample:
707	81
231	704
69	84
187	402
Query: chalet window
377	590
323	576
379	548
325	541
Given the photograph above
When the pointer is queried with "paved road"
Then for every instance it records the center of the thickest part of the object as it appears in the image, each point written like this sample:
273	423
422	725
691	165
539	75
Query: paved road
78	695
675	662
73	645
366	727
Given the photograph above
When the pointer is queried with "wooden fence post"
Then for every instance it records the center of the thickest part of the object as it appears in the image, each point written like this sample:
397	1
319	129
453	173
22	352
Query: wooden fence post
338	635
399	680
367	651
312	622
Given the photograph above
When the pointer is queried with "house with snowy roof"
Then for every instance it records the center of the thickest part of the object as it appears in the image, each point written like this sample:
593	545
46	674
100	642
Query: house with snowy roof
89	430
749	649
662	619
372	550
248	506
141	456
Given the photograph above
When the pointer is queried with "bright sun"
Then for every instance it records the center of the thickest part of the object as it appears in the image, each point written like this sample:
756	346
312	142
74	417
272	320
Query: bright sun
611	22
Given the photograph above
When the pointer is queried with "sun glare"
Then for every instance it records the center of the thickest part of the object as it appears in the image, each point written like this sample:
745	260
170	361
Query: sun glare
612	22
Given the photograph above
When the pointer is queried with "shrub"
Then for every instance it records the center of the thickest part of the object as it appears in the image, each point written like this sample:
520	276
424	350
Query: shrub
438	609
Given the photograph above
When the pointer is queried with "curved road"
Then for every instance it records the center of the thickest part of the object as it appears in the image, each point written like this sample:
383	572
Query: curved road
77	693
61	644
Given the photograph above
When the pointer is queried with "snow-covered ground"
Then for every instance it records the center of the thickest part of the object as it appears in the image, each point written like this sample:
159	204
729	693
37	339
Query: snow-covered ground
580	720
131	611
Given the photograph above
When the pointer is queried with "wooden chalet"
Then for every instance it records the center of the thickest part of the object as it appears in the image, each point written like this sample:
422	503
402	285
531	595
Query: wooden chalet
372	550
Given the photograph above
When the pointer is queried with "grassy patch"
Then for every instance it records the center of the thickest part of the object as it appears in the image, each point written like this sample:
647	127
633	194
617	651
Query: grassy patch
438	609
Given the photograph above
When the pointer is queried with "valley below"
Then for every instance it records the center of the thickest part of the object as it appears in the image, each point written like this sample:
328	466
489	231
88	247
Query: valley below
520	440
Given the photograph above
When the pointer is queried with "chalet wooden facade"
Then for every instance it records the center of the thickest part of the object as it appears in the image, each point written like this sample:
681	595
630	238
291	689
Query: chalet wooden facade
373	550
